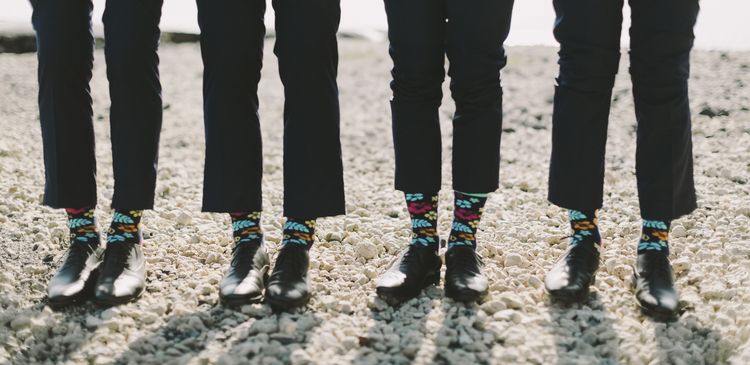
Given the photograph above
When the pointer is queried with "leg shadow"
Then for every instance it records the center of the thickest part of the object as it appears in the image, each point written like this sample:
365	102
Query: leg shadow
180	339
462	338
36	334
271	337
225	335
584	333
686	341
398	333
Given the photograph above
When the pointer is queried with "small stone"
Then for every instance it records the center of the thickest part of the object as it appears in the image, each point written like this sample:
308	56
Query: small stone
511	300
367	250
513	259
681	265
679	231
20	322
493	306
184	219
93	322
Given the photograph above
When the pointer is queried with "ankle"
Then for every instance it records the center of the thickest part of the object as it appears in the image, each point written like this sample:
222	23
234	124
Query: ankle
585	226
125	227
423	211
82	225
246	228
654	237
467	214
299	232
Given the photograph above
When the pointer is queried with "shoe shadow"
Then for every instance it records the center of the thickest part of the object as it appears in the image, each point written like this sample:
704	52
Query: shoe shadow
396	334
462	338
37	334
584	333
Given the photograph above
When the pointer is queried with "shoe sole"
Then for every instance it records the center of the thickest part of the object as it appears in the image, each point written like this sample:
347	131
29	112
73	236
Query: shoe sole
280	305
115	301
467	296
571	297
238	301
394	298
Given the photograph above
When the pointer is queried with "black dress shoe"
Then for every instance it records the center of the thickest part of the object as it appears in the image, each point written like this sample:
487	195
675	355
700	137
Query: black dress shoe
416	268
288	286
569	279
122	275
464	281
245	280
74	279
654	286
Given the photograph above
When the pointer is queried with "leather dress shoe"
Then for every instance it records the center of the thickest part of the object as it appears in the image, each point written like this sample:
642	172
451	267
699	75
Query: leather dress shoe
415	268
122	275
570	278
464	281
654	286
73	281
288	286
245	279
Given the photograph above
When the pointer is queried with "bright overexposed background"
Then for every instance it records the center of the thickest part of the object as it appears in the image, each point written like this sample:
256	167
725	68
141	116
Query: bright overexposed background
722	24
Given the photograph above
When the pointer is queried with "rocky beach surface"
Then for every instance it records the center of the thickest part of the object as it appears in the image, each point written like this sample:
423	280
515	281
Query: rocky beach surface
179	321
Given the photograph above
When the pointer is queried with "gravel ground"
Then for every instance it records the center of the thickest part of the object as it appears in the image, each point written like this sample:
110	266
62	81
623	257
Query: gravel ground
179	321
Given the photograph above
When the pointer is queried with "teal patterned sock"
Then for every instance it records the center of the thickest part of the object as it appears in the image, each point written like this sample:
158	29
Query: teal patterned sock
125	227
467	213
246	228
585	227
654	237
299	232
423	210
82	225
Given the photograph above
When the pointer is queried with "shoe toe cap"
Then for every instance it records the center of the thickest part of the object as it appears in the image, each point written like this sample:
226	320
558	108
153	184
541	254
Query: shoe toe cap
391	279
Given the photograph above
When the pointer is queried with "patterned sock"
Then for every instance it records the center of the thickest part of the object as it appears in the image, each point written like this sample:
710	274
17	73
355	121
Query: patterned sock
655	237
246	228
299	232
467	212
125	227
82	225
585	228
423	210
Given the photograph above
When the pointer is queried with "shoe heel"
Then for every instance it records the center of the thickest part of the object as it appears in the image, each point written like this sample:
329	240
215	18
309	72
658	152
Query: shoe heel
432	279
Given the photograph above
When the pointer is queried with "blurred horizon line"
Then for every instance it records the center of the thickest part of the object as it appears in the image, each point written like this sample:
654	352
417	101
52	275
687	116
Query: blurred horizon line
721	24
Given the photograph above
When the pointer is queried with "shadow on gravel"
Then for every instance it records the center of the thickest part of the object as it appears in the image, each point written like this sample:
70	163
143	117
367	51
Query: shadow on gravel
45	339
398	332
686	341
272	339
584	333
462	338
226	335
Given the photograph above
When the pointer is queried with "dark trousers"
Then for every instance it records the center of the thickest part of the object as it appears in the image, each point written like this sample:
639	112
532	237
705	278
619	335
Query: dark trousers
232	34
471	33
65	48
661	39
